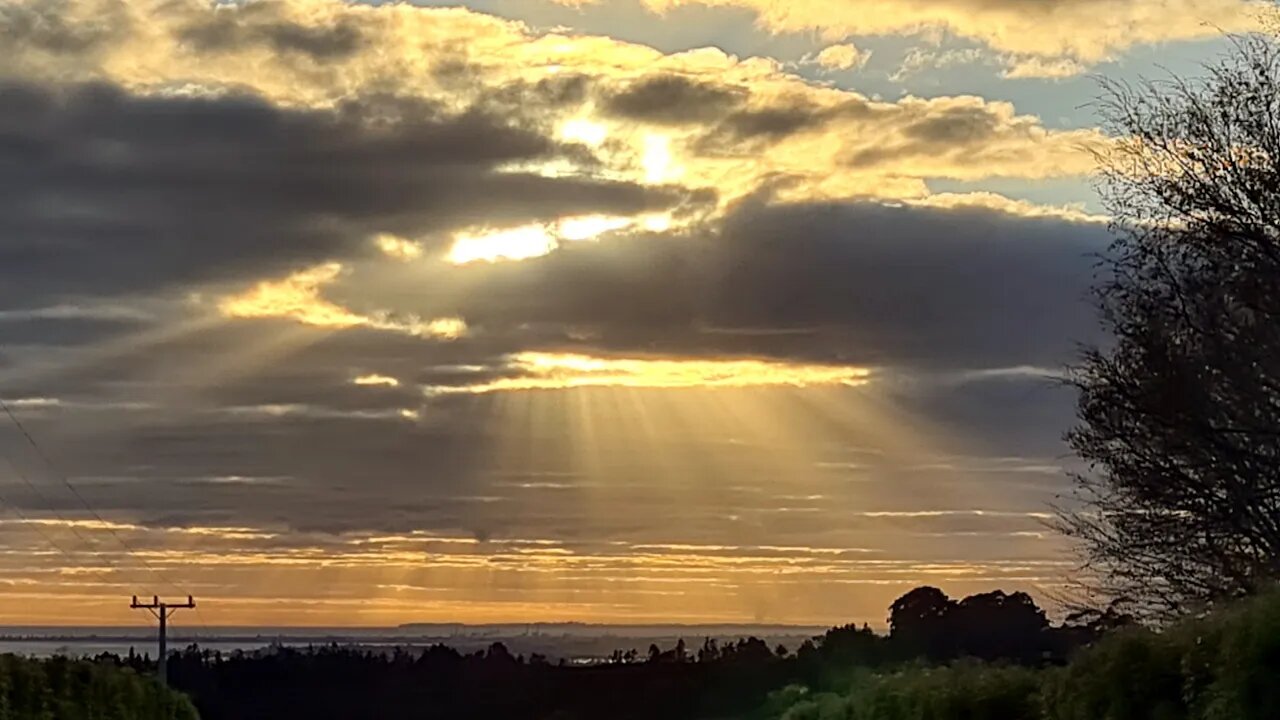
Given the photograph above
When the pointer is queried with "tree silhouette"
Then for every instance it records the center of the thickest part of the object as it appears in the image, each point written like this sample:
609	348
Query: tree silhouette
997	625
919	622
722	679
1179	414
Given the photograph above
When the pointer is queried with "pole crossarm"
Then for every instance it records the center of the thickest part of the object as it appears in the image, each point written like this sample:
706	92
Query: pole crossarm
162	611
157	604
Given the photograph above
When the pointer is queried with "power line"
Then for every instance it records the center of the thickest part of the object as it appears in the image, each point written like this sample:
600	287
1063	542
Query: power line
90	545
23	516
70	525
63	478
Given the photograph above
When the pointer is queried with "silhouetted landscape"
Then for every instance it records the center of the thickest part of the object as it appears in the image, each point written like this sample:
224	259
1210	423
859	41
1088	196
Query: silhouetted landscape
693	678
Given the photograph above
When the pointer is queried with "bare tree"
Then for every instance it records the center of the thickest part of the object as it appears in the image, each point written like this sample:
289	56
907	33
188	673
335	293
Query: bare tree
1179	412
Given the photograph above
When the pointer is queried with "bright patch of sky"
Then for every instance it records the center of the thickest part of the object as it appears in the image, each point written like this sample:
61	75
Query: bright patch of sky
923	65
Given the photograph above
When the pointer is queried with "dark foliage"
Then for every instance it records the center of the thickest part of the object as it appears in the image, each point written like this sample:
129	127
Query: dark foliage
1220	667
63	689
1180	414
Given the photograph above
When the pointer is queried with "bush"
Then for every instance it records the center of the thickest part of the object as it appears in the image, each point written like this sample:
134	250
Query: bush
1219	667
64	689
1132	675
972	691
969	690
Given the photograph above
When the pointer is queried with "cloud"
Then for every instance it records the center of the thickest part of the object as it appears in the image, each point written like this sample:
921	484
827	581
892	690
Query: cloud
551	371
538	239
919	59
728	125
375	379
1048	36
298	297
398	247
225	268
854	283
113	192
1037	67
672	99
845	56
56	27
227	31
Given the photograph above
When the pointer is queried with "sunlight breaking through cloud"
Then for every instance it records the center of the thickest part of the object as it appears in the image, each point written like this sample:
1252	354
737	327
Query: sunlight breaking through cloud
397	247
520	243
298	297
539	239
375	379
547	371
587	132
259	223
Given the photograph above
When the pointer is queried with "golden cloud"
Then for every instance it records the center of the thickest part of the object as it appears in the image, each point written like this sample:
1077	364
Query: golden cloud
397	247
388	578
376	379
538	239
548	371
298	297
842	57
772	129
993	201
1041	38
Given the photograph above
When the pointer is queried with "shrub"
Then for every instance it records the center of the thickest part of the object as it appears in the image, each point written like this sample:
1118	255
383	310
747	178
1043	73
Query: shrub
1219	667
64	689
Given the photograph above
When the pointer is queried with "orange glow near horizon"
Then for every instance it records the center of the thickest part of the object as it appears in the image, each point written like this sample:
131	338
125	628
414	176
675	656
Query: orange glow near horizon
619	454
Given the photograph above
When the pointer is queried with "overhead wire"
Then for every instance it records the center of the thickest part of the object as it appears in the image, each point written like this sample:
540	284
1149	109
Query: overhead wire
17	510
109	527
89	544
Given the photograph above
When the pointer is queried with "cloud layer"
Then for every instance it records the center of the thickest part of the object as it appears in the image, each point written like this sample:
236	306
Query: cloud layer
1040	39
318	296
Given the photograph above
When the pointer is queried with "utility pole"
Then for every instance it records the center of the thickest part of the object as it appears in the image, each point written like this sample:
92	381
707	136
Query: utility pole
162	612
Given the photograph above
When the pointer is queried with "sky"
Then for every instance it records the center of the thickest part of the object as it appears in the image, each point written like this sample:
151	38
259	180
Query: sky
334	313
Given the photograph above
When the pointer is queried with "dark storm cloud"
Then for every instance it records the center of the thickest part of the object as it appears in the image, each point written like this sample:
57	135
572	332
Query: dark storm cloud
672	99
311	472
859	283
64	331
911	284
1013	414
931	292
217	366
108	192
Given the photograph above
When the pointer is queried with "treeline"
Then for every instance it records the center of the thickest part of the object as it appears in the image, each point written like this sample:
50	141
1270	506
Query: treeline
700	679
1220	667
63	689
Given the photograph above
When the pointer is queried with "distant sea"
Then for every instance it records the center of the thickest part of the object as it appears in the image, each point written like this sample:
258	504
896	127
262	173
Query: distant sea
577	643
